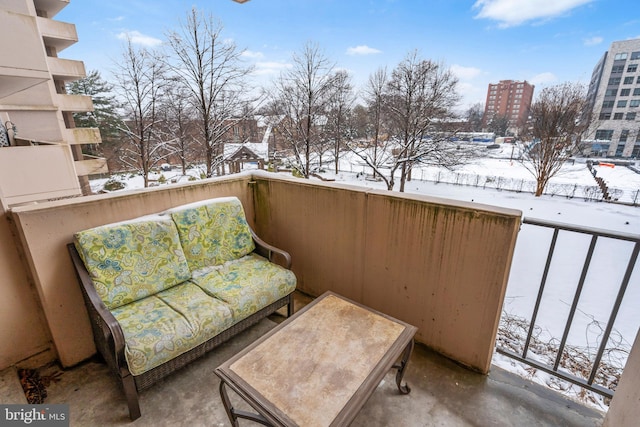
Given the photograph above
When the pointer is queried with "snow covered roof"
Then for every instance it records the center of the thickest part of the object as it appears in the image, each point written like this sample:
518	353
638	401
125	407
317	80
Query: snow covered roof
258	148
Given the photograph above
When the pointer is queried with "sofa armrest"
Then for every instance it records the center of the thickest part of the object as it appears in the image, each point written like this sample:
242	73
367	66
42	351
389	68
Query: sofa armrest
106	329
268	251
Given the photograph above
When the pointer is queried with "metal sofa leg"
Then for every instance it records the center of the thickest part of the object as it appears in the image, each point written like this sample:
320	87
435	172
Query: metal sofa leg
131	394
290	306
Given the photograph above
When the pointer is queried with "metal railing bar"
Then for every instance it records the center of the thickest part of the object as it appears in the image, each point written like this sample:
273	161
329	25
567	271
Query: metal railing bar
584	230
543	282
614	312
576	298
603	391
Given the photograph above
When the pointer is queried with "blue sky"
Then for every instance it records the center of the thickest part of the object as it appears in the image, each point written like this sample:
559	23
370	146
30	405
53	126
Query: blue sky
483	41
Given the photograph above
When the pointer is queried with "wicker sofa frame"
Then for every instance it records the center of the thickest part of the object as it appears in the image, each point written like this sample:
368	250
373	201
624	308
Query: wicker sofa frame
109	338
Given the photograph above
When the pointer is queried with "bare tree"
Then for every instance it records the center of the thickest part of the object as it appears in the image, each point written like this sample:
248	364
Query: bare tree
559	116
300	96
141	77
178	126
338	111
375	98
211	70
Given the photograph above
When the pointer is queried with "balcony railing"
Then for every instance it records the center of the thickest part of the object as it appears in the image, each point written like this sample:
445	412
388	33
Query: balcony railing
558	368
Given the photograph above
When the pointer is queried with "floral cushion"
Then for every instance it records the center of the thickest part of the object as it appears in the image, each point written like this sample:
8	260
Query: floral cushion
161	327
246	285
129	261
213	232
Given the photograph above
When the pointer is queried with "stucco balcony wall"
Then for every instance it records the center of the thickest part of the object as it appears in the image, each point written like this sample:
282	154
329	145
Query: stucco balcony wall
438	264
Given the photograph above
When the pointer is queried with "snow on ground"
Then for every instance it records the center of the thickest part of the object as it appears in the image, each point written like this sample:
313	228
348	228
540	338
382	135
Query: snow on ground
609	259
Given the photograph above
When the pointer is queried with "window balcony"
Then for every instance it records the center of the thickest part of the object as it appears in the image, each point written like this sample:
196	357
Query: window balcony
66	69
59	35
83	136
50	7
74	103
438	264
91	165
38	172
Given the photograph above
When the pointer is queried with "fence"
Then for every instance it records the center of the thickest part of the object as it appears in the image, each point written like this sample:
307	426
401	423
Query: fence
570	365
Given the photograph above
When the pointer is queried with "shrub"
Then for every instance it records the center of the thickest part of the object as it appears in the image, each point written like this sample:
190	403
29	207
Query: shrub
113	184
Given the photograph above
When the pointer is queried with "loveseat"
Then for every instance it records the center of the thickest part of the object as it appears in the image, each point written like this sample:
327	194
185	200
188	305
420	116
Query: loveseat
161	290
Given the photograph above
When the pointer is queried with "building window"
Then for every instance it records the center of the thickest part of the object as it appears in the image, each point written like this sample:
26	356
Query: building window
617	69
611	92
625	92
631	116
624	135
636	91
632	68
628	80
635	55
604	134
608	104
638	81
620	56
634	103
622	103
614	81
618	116
604	116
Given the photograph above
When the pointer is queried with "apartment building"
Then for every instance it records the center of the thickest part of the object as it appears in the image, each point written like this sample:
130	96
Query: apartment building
40	149
614	96
510	99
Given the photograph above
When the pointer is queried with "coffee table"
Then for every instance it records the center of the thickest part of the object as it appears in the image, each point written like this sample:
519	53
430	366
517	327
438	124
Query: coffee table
318	367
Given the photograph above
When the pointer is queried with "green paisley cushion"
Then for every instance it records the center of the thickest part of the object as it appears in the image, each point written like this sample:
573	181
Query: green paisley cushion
213	231
128	261
247	284
161	327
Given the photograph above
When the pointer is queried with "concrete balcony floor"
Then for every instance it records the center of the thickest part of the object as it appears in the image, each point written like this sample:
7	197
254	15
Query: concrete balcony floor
442	394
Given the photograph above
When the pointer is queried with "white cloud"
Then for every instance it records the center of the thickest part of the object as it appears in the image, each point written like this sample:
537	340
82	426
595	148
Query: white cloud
465	73
510	13
252	55
137	37
362	50
543	79
592	41
270	67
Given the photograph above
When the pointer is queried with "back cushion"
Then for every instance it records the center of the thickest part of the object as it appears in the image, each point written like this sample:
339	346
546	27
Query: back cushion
131	260
213	231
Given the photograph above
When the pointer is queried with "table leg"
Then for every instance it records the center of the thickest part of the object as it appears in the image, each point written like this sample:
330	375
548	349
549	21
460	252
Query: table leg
227	405
234	414
401	366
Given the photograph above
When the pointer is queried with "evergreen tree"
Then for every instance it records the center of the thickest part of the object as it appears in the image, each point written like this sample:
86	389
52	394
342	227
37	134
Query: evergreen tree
105	115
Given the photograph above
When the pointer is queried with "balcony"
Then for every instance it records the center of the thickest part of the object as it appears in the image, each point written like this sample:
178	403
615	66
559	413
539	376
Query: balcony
82	136
91	165
50	7
66	69
74	103
59	35
40	172
437	264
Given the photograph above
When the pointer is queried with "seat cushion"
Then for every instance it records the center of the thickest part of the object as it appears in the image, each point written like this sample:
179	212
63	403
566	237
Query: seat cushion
129	261
160	327
246	285
213	231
